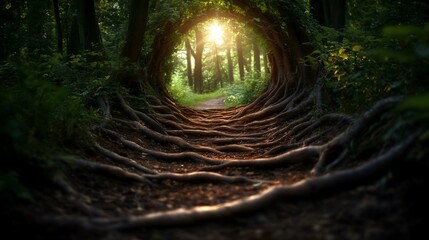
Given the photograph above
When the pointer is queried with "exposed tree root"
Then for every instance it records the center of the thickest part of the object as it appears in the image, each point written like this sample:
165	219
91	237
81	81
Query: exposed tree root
298	155
203	177
169	139
123	160
316	186
107	170
137	116
282	149
339	118
80	200
183	156
235	148
337	149
284	131
222	141
212	133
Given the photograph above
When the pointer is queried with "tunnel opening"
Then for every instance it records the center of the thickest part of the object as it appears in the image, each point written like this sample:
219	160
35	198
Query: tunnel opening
219	58
283	47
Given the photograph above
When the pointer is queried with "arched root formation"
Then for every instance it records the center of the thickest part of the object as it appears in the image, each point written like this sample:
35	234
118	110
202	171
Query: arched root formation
283	158
311	187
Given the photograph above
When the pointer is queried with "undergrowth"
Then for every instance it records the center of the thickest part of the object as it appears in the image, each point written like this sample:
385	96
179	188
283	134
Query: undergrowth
183	94
43	116
238	93
361	68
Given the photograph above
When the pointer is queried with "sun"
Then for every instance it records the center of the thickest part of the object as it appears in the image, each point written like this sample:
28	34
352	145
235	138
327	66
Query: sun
216	33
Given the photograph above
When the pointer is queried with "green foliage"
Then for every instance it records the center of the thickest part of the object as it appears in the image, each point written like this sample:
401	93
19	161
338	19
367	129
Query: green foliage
38	120
414	116
373	16
86	75
412	46
36	110
419	104
182	93
361	69
245	92
238	93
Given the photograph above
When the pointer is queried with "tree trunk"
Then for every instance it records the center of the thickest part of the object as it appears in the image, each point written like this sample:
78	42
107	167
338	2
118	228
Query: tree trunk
136	29
256	59
198	71
218	73
85	32
36	18
248	61
58	26
2	35
230	66
240	58
266	64
189	62
316	9
329	13
337	10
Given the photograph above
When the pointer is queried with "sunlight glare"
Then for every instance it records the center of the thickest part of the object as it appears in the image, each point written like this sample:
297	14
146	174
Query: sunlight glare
216	33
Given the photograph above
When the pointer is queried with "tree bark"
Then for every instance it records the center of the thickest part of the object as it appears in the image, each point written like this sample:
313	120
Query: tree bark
240	58
266	64
59	30
329	13
136	29
316	9
85	32
256	59
36	18
189	62
230	66
218	73
2	35
248	60
198	71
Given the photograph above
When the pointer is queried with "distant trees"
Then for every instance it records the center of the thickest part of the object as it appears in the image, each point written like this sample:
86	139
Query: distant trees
84	31
240	58
211	63
329	13
138	17
189	54
198	70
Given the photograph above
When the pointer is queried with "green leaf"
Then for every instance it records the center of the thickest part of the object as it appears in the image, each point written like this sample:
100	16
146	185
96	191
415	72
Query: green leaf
419	102
357	48
401	32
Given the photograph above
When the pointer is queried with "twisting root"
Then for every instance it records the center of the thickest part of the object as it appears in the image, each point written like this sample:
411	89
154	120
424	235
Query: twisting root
182	156
169	139
106	169
309	188
123	160
78	199
339	146
298	155
203	176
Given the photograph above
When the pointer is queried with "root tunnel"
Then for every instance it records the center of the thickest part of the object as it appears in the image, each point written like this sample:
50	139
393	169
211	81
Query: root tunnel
284	160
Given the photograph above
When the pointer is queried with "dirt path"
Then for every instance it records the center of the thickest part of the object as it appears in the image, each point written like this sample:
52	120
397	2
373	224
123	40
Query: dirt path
108	189
215	103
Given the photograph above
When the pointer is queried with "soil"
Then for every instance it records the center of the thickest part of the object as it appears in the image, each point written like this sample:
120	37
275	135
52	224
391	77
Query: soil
394	207
215	103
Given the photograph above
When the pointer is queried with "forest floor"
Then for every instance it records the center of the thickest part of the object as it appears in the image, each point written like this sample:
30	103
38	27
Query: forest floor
394	207
215	103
